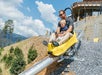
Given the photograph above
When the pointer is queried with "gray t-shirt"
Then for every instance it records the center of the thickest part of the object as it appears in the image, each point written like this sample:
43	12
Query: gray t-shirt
69	22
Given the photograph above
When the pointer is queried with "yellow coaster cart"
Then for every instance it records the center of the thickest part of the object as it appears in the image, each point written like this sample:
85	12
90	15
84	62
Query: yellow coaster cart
59	50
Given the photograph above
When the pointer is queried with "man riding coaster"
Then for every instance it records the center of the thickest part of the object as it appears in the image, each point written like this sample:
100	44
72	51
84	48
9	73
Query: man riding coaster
67	29
64	30
64	40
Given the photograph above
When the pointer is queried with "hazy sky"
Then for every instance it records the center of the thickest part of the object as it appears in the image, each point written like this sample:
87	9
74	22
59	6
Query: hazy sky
32	17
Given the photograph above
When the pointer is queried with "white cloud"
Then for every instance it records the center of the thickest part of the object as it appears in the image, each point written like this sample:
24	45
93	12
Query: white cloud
13	3
47	12
9	10
31	27
23	25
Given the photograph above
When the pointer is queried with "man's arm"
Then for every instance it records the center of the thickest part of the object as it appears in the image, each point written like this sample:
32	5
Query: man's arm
71	26
58	30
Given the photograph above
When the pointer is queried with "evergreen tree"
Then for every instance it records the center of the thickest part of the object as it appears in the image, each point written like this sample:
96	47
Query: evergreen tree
8	29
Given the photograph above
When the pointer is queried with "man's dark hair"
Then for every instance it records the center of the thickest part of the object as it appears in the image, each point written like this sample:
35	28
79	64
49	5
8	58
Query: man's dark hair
62	11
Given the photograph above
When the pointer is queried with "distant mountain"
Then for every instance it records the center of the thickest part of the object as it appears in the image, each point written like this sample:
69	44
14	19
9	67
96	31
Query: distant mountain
8	39
17	37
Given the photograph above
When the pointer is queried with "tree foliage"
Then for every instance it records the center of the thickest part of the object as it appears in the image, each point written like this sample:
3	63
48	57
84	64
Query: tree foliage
8	30
14	60
4	58
0	70
32	54
18	53
18	63
1	49
17	66
8	61
12	50
9	26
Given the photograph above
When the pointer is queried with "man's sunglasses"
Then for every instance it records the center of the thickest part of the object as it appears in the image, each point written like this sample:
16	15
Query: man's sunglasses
60	14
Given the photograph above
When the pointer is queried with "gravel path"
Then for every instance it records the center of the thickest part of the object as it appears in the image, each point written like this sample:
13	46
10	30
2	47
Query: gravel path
88	61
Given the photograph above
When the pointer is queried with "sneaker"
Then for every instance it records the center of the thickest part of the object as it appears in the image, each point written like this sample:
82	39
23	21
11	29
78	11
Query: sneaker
55	43
49	52
45	43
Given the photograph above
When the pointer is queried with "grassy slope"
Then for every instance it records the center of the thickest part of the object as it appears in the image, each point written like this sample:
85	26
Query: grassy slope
25	45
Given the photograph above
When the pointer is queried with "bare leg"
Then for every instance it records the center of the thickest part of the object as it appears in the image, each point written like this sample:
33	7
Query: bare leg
52	37
67	36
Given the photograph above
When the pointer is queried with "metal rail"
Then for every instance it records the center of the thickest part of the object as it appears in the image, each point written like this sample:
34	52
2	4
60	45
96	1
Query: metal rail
39	66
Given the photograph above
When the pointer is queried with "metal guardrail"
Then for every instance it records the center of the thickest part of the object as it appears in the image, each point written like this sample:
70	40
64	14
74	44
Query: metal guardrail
36	68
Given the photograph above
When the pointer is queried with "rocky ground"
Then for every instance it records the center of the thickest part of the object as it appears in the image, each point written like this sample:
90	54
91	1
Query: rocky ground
88	60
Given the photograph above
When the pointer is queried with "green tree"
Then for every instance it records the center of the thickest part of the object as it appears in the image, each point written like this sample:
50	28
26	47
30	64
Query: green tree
12	50
14	60
8	61
18	66
0	71
1	49
8	28
4	58
18	53
32	54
